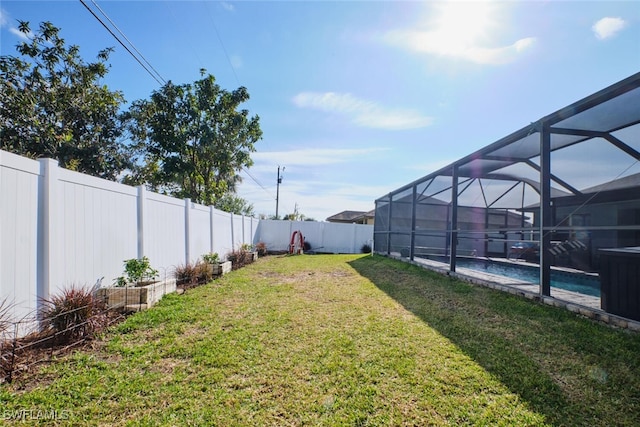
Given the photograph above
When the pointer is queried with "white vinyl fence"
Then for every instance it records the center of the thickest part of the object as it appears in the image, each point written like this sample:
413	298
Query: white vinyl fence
60	228
323	237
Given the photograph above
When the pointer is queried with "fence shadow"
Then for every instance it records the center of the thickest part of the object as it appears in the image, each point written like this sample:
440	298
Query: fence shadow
459	312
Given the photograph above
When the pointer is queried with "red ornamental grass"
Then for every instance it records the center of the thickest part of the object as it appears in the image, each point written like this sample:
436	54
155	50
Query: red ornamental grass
193	274
5	316
73	314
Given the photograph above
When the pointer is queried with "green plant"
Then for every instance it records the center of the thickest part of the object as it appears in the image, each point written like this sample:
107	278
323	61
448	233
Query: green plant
366	248
74	314
246	247
136	271
211	258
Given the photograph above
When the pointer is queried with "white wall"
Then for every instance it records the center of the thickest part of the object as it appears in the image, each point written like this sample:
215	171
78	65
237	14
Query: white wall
19	183
327	237
92	226
163	226
60	228
222	240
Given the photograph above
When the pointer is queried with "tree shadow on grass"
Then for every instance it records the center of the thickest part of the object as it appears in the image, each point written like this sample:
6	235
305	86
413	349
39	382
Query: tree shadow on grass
519	342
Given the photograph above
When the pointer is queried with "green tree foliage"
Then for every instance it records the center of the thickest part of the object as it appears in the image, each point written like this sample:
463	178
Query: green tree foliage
52	105
193	140
296	216
230	202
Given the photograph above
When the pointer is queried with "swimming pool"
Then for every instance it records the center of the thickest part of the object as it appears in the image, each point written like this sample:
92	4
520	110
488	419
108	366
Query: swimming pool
581	283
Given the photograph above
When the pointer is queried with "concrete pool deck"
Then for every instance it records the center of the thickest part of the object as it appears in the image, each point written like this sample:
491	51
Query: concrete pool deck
585	305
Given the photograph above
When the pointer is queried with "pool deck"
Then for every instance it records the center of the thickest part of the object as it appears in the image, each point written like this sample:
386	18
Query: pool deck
584	305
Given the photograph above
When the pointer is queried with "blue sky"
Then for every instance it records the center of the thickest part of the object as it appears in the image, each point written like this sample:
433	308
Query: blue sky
357	98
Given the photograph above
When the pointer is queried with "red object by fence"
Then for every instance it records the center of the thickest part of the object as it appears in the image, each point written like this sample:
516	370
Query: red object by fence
296	246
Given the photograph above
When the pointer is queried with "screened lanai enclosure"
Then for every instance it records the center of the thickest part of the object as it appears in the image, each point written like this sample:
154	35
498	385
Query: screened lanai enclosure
557	198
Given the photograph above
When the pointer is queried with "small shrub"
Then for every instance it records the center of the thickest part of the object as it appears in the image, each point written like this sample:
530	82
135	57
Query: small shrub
184	273
365	249
193	274
261	248
204	272
306	246
136	271
239	258
76	313
211	258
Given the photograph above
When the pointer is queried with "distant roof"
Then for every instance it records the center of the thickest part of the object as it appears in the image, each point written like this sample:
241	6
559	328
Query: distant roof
617	184
348	216
611	190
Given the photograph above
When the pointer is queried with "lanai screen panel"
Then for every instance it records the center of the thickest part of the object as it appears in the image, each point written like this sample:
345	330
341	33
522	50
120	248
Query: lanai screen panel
381	217
593	178
400	220
433	215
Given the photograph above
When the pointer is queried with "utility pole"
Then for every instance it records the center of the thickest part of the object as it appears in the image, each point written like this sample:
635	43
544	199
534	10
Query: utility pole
278	189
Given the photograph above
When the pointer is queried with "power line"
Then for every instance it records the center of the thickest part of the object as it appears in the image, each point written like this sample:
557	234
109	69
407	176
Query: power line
128	41
224	49
256	181
157	77
233	70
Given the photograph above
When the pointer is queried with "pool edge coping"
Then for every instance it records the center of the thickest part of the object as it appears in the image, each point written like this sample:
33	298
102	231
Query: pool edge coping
598	315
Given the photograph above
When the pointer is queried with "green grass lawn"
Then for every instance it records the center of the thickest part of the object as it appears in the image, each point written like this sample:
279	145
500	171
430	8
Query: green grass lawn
342	340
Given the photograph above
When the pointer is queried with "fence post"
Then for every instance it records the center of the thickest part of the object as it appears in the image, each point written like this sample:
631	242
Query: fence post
353	239
142	211
252	232
48	224
232	232
211	233
244	236
187	243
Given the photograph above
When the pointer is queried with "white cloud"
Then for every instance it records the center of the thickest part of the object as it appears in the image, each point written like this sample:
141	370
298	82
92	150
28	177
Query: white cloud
429	167
24	36
317	199
236	61
3	17
362	112
608	27
228	6
434	43
4	23
311	156
461	30
314	180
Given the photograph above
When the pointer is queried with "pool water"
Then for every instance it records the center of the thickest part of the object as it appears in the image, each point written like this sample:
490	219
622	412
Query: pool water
581	283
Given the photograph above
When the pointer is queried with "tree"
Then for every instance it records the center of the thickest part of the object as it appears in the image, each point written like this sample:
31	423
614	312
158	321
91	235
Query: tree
52	105
230	202
296	216
193	140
